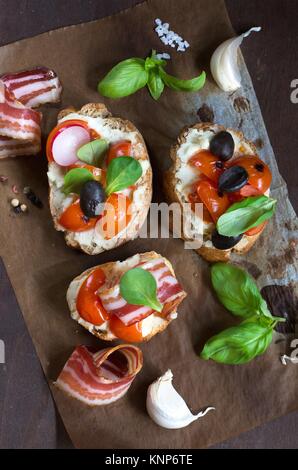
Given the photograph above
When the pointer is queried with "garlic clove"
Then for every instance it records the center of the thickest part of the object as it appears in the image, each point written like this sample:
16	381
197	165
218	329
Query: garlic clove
166	407
223	65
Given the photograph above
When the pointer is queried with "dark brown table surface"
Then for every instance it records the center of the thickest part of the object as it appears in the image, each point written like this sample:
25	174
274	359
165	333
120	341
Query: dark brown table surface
28	418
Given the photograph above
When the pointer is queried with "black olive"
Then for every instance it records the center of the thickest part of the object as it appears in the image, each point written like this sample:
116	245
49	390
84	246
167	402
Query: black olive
222	145
233	179
221	242
92	198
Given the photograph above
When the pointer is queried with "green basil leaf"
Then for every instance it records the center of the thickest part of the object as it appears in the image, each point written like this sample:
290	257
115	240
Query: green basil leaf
125	78
155	84
74	180
138	287
236	290
93	152
122	173
244	215
238	344
177	84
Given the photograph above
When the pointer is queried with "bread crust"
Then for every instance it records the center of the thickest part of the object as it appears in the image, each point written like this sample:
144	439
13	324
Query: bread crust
211	254
111	269
99	110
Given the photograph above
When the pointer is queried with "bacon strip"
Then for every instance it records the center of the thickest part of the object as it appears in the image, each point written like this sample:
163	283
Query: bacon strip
169	293
19	124
34	87
14	147
102	377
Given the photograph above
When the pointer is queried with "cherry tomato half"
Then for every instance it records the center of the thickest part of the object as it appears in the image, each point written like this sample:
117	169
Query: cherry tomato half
259	175
89	305
132	333
217	203
119	149
74	220
194	198
59	128
208	164
116	215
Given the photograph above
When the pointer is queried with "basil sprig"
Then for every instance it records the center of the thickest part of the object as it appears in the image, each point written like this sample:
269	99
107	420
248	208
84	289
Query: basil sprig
244	215
130	75
93	152
238	292
122	173
75	179
138	287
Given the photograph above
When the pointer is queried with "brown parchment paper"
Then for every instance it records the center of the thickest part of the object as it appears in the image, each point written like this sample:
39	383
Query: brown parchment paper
40	266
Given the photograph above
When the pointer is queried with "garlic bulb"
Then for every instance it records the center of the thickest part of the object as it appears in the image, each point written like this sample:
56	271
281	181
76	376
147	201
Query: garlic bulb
166	407
223	65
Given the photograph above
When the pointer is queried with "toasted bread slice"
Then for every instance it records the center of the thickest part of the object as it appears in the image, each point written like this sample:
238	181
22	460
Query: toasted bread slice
180	177
113	129
150	326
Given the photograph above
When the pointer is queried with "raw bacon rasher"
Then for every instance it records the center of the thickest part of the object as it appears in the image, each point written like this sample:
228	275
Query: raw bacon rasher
19	124
34	87
100	378
169	293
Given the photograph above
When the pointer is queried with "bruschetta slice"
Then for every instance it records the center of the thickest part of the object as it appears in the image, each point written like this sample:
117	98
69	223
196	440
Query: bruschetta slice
97	202
217	167
97	302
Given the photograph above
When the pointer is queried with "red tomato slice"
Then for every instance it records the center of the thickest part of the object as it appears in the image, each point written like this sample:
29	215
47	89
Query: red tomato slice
132	333
208	164
259	175
119	149
116	215
89	305
216	202
256	230
59	128
74	220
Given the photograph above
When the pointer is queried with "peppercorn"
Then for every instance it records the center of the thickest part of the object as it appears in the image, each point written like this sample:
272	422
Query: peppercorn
15	202
17	209
31	196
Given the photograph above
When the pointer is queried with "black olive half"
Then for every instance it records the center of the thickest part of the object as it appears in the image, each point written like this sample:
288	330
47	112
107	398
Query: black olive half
221	242
233	179
222	145
92	198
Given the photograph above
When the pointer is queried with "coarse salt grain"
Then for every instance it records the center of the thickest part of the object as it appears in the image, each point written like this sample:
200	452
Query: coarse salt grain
164	55
169	37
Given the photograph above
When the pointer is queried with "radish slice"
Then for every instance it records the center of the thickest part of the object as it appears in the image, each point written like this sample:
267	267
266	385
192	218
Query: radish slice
67	143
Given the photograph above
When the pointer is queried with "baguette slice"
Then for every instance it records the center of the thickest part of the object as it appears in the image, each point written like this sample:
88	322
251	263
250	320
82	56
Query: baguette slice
151	325
180	176
113	129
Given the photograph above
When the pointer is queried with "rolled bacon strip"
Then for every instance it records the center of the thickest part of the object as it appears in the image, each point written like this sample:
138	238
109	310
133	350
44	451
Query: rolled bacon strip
19	124
169	293
100	378
16	120
34	87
